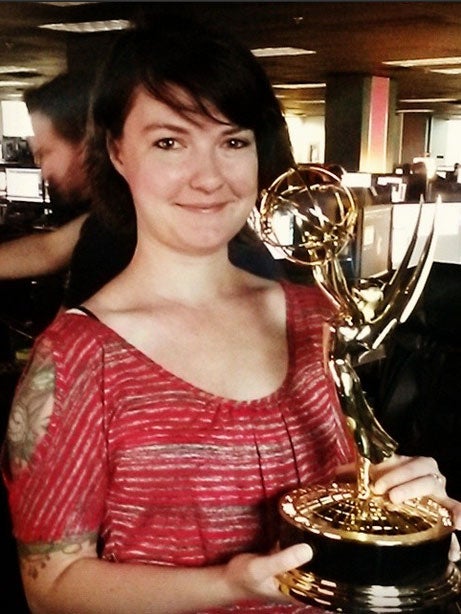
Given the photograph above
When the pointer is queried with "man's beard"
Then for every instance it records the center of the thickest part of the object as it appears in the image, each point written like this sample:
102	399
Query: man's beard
63	200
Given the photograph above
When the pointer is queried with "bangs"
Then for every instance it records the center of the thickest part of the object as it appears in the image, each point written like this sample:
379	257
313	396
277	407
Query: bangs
189	105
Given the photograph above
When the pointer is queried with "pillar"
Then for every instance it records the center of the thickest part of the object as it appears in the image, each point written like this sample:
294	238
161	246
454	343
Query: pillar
361	128
415	135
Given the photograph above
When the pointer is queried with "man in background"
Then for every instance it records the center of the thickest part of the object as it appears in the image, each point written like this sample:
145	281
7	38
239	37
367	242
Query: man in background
79	244
58	112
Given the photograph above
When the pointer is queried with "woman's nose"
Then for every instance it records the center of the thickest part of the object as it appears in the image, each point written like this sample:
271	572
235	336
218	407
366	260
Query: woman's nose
207	173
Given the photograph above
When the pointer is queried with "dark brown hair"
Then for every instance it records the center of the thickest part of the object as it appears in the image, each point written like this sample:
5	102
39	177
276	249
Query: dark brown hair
65	100
212	68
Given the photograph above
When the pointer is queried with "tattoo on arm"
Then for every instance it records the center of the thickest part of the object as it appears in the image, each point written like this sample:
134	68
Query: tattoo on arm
34	557
31	409
29	421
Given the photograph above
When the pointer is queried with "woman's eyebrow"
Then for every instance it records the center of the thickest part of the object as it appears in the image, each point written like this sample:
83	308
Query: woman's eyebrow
164	126
229	129
232	129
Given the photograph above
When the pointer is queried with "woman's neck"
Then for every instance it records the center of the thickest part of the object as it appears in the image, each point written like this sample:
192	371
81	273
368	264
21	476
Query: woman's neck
179	277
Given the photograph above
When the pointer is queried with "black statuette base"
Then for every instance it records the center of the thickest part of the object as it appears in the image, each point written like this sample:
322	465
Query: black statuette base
369	556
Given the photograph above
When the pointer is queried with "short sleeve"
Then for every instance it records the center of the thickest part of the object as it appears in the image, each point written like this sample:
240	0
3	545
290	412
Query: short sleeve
59	492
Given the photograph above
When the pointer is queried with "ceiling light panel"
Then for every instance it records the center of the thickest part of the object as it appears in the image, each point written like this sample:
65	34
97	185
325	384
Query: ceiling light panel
425	62
13	83
447	71
16	70
267	52
426	100
67	4
85	27
415	111
298	86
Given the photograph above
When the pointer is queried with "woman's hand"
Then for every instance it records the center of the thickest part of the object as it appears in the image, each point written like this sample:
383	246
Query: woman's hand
253	576
405	477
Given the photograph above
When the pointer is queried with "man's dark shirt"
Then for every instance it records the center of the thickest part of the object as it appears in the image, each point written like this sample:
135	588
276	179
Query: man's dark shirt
99	255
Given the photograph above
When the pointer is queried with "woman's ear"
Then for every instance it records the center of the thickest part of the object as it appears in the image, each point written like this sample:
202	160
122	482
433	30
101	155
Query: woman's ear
114	153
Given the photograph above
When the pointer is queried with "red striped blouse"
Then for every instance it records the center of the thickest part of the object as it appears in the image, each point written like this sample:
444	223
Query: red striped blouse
164	472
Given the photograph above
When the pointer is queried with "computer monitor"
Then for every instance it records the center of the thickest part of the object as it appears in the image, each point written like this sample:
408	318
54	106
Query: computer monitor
2	182
357	180
372	244
25	185
391	186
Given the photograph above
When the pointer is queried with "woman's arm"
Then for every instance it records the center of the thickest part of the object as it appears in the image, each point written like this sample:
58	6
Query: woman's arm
60	568
40	253
72	582
65	582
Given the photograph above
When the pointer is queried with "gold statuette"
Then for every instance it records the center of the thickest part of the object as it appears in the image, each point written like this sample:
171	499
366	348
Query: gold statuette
369	555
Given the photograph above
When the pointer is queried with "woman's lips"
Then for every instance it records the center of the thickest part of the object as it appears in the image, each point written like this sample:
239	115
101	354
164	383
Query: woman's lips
211	208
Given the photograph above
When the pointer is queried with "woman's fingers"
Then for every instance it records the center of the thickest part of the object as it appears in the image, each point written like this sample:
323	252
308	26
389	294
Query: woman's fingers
256	575
455	552
403	478
262	567
289	558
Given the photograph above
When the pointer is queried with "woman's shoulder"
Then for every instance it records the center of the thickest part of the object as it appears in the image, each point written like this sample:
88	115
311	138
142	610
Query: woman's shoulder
307	296
71	328
72	343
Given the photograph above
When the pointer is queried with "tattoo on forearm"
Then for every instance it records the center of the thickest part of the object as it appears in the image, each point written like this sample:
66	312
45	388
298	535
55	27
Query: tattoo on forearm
32	408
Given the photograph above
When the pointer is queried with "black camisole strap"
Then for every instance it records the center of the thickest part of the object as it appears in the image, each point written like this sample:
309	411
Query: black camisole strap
87	312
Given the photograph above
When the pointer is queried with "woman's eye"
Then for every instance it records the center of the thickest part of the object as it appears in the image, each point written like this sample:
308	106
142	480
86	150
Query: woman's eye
237	143
167	143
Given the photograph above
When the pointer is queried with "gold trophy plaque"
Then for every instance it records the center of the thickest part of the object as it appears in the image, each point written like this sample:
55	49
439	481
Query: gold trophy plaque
369	555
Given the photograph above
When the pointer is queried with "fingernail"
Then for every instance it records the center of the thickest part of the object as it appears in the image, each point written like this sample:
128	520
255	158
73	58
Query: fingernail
303	552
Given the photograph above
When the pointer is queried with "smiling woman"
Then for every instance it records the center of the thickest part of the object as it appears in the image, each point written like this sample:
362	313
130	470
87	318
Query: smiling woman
158	423
200	170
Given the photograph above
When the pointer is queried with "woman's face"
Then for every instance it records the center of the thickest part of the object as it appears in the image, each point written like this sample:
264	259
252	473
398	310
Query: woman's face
193	180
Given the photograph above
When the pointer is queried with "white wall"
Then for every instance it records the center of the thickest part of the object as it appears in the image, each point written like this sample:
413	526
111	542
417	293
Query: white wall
453	148
15	119
445	141
307	135
447	231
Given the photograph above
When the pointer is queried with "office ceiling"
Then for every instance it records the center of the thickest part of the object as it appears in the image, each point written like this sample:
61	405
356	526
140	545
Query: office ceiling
348	37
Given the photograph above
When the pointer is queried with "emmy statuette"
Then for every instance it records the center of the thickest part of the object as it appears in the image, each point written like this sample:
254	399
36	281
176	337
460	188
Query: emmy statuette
369	555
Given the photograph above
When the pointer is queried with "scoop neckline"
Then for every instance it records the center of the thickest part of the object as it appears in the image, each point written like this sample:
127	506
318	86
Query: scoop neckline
185	384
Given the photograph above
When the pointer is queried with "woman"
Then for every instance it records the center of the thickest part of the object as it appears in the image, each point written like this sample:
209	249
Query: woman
158	424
